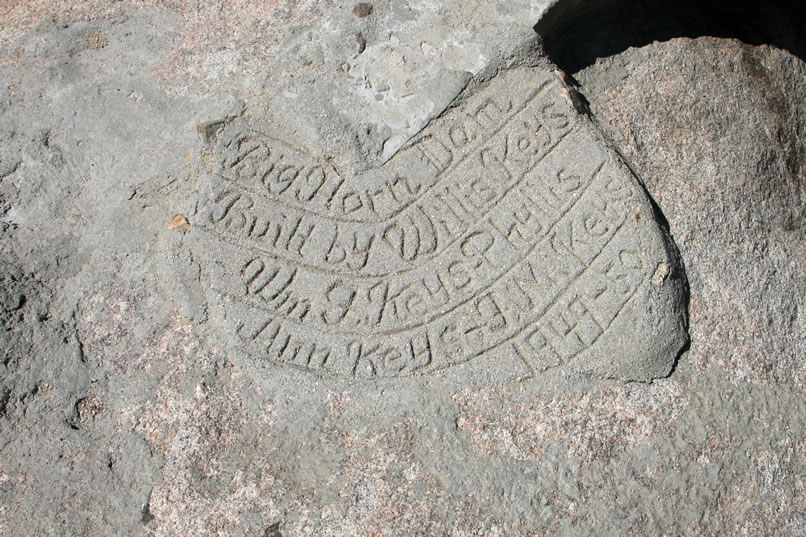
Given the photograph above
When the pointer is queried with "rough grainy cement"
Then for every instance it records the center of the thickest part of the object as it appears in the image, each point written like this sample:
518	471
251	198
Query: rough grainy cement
506	236
216	222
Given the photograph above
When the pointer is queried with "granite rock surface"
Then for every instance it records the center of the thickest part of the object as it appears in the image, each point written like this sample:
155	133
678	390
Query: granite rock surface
127	406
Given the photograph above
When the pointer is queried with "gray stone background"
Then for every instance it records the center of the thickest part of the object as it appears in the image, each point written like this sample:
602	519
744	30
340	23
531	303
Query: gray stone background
122	412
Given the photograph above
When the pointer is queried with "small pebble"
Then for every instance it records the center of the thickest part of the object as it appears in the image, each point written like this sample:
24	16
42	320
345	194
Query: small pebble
362	10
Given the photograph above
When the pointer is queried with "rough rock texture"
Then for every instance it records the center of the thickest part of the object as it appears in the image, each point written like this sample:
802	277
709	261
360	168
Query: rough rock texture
122	411
720	139
735	203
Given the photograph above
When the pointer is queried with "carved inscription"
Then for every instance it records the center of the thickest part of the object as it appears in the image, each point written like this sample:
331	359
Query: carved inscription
502	226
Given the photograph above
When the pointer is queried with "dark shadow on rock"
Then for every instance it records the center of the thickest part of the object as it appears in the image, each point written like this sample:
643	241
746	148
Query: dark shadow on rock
576	32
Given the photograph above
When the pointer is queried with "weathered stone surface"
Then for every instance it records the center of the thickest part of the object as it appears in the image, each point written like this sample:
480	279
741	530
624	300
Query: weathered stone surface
506	233
736	203
725	122
126	408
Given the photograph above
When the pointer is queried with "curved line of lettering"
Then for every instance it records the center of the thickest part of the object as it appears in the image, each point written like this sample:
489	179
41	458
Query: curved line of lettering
440	176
